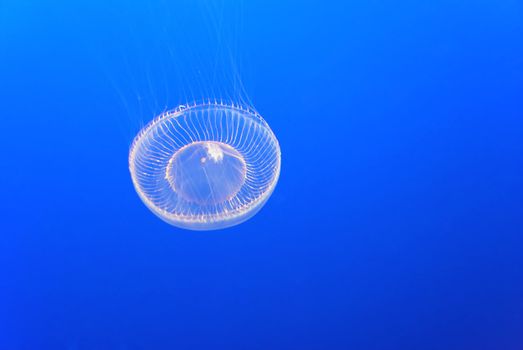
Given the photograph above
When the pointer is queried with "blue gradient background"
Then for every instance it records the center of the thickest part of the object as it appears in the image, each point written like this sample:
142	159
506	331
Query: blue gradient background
397	222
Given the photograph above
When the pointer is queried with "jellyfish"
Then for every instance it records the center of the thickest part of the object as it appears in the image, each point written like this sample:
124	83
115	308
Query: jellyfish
205	166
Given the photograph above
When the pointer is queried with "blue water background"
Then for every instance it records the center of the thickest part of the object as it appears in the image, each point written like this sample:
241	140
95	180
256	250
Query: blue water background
397	222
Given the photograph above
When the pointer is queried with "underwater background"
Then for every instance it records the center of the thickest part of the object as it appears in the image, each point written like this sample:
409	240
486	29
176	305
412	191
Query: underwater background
397	222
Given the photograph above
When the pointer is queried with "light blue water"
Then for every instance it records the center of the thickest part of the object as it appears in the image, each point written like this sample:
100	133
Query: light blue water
397	221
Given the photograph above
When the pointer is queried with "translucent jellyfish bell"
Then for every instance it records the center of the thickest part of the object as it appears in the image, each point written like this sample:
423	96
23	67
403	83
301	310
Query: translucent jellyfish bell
206	166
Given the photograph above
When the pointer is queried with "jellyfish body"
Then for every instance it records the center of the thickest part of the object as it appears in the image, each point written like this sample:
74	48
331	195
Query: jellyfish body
205	167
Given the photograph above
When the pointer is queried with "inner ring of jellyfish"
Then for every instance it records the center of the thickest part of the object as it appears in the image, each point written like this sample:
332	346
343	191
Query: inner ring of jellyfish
206	166
206	172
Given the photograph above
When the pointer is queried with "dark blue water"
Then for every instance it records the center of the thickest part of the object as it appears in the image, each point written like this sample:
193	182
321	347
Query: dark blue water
397	222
